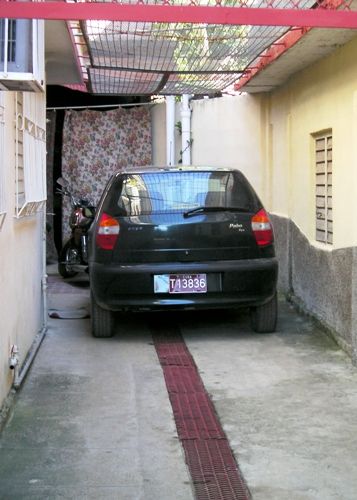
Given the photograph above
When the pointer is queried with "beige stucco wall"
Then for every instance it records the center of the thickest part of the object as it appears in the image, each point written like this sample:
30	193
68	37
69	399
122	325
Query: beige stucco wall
158	133
228	132
322	97
21	315
321	277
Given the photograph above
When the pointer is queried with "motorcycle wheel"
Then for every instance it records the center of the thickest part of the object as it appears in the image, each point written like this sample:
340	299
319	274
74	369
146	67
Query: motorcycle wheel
68	257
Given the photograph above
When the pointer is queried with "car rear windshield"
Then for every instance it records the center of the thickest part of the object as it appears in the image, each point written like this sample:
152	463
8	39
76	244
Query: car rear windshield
180	191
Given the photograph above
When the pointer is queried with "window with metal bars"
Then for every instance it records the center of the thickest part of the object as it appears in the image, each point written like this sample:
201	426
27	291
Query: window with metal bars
2	160
30	153
9	26
323	187
16	45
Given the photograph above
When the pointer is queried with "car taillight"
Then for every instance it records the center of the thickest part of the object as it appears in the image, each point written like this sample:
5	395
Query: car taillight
262	228
107	232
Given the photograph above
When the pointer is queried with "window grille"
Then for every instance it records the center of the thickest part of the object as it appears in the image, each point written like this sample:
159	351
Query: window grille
2	161
30	153
323	173
22	55
7	50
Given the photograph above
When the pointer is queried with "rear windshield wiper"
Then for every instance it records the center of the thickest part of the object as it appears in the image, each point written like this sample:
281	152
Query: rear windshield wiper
203	209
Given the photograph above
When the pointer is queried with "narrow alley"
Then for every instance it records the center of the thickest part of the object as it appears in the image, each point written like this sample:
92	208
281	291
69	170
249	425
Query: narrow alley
93	419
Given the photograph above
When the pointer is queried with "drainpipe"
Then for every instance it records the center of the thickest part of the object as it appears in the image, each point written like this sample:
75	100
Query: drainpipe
21	374
186	129
170	130
354	307
353	327
44	268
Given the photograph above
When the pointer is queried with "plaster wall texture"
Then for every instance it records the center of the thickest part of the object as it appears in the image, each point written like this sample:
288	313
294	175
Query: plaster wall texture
320	98
320	282
158	134
21	314
227	132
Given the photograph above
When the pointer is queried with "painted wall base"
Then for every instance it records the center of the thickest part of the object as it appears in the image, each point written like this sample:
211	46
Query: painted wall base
318	281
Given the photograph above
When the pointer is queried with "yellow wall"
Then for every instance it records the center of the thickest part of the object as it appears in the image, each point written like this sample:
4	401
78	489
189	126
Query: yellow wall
323	96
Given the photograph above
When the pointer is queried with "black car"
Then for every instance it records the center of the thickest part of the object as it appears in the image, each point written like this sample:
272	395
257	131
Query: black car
181	238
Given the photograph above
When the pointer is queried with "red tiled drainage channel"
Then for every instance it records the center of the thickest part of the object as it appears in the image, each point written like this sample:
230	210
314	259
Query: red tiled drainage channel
212	466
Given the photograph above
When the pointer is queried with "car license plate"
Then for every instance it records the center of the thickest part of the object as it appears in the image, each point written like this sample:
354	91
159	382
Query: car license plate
180	283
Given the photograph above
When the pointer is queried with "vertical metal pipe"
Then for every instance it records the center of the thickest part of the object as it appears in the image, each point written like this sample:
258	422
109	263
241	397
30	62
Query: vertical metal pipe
170	130
186	130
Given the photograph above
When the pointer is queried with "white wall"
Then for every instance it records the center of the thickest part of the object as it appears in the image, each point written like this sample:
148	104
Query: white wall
21	314
226	132
158	133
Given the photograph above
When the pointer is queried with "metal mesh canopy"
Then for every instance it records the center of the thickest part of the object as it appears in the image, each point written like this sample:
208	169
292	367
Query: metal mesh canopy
149	58
146	58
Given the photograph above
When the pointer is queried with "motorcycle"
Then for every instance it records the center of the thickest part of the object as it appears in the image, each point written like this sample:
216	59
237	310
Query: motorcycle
73	257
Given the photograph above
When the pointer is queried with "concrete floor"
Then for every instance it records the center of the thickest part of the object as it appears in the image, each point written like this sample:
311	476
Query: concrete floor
93	419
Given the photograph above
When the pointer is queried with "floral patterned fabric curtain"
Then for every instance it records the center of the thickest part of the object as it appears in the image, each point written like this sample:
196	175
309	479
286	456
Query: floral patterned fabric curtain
97	144
51	252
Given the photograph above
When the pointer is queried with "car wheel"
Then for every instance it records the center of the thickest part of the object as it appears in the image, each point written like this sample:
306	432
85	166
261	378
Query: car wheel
102	321
263	318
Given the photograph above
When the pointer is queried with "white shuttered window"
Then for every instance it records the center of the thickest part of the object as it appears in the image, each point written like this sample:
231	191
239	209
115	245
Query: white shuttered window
30	153
323	173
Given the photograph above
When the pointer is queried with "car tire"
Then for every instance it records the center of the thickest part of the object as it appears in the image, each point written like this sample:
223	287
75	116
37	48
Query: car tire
263	318
102	321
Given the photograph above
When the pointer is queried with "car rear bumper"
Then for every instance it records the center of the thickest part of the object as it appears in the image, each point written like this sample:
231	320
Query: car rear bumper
248	282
